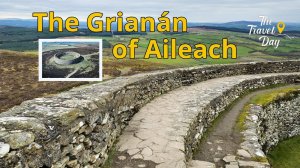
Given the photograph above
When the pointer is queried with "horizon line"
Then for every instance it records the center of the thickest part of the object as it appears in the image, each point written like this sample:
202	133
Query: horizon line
31	19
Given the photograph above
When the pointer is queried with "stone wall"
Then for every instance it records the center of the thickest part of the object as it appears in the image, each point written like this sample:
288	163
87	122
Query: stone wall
267	125
77	58
279	120
219	104
77	128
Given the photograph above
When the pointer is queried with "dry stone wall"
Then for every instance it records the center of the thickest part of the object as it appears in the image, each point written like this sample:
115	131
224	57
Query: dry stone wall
77	58
270	124
279	120
77	128
273	125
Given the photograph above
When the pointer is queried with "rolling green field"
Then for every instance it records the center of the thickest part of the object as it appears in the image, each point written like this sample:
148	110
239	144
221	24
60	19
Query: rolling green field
248	48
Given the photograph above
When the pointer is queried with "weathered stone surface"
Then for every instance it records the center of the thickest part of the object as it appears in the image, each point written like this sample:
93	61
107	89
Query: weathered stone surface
72	163
243	153
86	121
198	164
4	149
252	164
142	165
22	123
19	139
231	166
62	163
229	158
217	160
122	157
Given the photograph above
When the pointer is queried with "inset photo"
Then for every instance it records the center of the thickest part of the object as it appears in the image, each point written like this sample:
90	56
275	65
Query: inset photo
70	60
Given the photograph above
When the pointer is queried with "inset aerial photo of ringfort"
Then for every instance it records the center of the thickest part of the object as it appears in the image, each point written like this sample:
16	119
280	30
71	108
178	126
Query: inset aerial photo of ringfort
70	60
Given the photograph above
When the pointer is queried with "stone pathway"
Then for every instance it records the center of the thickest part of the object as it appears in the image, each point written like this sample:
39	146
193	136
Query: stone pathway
155	135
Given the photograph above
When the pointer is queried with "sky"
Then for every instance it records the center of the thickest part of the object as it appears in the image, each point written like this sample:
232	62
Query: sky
194	10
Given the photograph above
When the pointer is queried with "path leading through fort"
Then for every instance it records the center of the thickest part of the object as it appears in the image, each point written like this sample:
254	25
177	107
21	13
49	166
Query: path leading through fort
225	138
155	137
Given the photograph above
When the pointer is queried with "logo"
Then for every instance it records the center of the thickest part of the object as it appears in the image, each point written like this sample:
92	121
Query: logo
268	33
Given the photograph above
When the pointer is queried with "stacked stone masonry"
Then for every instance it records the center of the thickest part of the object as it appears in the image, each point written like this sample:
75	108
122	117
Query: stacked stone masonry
78	127
270	124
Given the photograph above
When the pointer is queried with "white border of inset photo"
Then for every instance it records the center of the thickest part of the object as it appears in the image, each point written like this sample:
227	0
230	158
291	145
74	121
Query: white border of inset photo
69	79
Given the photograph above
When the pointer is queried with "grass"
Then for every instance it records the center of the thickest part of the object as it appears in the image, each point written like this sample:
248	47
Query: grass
242	118
286	154
19	80
273	95
260	159
111	154
18	54
248	49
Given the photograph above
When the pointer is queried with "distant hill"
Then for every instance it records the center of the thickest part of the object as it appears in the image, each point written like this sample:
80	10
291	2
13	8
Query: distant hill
219	28
19	22
236	25
243	25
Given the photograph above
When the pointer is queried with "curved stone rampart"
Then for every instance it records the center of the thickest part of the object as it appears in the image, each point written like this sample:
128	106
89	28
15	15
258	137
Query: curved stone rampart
270	124
78	127
77	58
279	120
166	131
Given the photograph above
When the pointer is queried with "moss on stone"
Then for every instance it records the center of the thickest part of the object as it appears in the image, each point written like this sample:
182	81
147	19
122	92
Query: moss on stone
273	95
242	118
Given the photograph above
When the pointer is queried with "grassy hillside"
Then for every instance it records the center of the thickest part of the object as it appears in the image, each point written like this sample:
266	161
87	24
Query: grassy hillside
24	40
18	54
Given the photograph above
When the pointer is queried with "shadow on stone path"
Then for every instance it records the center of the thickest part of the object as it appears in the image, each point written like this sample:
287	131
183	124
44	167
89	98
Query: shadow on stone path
123	159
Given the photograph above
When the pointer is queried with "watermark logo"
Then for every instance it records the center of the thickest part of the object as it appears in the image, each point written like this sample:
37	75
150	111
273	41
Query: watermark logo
267	32
280	27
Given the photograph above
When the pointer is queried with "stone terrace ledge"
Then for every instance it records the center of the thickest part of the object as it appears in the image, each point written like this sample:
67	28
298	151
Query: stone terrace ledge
77	128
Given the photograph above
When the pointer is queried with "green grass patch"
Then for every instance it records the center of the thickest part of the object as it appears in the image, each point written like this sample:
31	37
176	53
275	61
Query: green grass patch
242	118
240	123
111	154
286	154
260	159
265	99
249	49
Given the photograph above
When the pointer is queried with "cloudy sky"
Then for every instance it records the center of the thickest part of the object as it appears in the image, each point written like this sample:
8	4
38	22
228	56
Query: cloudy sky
194	10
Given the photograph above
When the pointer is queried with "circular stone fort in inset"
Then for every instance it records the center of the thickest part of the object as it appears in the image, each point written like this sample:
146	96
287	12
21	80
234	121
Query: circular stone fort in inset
67	58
